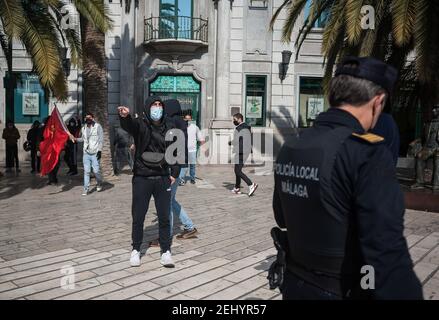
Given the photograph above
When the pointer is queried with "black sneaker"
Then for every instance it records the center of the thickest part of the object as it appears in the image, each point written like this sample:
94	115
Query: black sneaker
187	234
193	181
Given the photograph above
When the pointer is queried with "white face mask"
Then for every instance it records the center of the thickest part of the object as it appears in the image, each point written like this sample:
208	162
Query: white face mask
156	113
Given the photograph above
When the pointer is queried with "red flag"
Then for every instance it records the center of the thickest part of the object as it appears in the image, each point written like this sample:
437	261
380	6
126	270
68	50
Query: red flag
55	136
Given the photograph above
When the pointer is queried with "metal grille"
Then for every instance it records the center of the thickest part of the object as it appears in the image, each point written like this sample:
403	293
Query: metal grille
176	27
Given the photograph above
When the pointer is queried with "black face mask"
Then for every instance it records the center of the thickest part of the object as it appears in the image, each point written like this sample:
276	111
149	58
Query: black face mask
235	122
88	121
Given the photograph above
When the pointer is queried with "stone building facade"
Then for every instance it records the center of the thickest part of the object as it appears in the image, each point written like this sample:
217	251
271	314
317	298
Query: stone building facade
218	57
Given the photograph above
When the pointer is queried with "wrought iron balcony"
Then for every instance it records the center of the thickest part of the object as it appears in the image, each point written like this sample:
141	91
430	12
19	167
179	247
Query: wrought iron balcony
186	30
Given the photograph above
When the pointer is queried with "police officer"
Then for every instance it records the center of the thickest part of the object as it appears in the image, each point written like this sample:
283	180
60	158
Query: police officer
337	195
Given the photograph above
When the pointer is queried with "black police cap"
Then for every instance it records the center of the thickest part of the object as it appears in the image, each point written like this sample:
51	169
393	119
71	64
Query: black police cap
370	69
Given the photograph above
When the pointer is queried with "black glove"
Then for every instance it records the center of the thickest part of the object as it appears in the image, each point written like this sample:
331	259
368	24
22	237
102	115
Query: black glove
98	155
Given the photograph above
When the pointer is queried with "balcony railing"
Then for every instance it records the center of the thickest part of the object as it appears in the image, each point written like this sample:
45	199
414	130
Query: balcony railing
176	27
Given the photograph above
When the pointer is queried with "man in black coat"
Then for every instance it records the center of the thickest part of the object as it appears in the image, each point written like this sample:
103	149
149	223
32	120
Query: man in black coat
173	110
241	143
33	139
153	176
71	149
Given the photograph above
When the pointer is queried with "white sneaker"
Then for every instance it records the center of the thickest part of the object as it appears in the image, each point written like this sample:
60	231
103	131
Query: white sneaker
99	188
84	192
166	260
252	189
236	191
135	258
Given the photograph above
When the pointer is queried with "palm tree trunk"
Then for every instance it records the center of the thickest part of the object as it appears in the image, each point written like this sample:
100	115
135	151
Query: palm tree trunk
10	83
95	85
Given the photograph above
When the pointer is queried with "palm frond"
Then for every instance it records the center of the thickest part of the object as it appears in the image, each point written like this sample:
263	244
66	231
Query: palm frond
332	57
403	15
277	13
353	21
41	41
427	40
96	12
12	17
370	35
316	11
4	43
60	88
294	11
333	26
51	3
75	46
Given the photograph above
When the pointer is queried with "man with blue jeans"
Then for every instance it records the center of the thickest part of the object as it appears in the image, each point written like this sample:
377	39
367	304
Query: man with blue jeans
173	110
92	136
194	135
189	230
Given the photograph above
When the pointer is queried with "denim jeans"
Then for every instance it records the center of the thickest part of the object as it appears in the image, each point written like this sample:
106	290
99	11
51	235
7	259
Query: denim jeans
178	210
91	161
192	159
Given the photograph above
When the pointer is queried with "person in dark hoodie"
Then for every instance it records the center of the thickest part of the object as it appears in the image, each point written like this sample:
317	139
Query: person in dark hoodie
387	128
242	148
32	138
153	176
11	136
173	110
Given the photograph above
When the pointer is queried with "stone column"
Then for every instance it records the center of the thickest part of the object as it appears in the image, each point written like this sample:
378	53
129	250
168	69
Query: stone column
223	61
127	56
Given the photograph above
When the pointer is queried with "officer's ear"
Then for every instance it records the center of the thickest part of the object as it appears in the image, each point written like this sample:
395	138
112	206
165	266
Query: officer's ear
379	103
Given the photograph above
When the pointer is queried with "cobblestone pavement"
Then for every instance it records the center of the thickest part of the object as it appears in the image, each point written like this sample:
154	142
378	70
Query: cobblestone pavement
44	230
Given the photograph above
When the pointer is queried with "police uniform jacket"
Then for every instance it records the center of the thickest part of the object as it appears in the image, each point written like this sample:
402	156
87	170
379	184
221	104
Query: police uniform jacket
337	194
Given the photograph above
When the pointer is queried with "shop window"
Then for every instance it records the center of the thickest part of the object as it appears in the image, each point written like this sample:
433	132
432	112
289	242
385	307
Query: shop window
312	100
255	100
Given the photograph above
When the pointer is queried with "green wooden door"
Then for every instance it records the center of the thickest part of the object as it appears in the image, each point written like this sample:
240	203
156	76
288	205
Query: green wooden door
184	88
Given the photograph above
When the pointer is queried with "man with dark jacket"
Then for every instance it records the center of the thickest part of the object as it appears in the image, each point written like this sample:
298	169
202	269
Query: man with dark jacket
153	176
11	136
242	149
387	128
32	138
173	110
71	150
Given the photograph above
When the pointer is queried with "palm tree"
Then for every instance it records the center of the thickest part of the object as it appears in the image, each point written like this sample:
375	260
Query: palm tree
95	69
37	25
406	35
34	24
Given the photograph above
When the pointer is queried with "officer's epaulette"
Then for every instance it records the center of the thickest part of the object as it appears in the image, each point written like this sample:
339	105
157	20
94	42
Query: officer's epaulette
369	137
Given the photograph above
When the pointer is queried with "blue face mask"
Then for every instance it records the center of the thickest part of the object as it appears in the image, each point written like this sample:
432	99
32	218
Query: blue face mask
156	113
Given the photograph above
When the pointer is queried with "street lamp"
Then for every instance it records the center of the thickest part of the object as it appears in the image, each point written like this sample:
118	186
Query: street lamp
283	67
66	64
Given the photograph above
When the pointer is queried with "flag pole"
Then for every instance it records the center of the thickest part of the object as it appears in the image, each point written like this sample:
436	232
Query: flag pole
60	119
